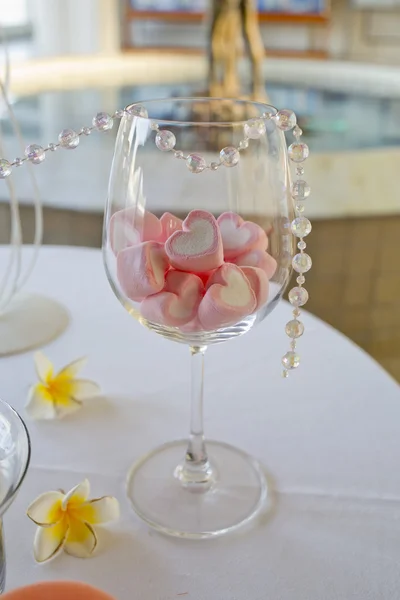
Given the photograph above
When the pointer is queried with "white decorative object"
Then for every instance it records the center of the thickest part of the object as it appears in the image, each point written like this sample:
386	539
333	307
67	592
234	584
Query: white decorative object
66	521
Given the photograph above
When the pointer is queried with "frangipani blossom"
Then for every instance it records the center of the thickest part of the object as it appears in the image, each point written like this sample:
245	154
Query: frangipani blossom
66	521
58	394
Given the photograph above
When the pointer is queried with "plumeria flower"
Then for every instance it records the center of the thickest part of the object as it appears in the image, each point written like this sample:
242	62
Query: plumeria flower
66	521
58	394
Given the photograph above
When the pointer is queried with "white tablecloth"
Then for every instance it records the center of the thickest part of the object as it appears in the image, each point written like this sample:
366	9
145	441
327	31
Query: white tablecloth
329	436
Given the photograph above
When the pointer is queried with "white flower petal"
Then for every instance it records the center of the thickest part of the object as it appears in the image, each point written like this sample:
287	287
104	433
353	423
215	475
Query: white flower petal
78	495
38	407
73	368
48	540
82	389
81	539
101	510
44	367
46	509
67	408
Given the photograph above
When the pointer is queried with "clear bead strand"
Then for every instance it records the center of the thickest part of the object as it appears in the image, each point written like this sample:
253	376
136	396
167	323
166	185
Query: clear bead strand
301	227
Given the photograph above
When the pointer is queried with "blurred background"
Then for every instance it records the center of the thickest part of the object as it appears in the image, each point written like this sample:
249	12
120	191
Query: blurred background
335	63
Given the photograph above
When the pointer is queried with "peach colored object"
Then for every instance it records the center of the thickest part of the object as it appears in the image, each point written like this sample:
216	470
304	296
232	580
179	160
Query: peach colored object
128	227
239	236
259	284
170	223
198	247
257	258
57	590
229	298
141	270
177	304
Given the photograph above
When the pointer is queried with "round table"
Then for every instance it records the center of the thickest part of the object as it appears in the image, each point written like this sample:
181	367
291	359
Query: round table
329	438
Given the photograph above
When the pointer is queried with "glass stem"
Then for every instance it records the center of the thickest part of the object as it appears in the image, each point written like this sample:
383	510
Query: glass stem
196	472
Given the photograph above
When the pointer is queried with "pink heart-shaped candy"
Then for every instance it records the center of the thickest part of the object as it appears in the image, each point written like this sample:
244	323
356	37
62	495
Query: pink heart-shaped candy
170	223
257	258
141	270
177	304
259	284
129	227
198	247
229	298
239	236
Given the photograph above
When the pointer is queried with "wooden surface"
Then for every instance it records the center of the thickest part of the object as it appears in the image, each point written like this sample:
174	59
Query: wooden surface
354	284
196	17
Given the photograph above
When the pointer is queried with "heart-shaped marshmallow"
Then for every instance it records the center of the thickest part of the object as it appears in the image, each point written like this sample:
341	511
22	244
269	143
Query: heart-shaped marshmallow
177	304
259	259
198	247
129	227
239	236
170	223
141	270
259	284
229	298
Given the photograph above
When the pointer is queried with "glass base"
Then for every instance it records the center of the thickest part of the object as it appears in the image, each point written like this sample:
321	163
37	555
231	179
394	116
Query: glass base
235	497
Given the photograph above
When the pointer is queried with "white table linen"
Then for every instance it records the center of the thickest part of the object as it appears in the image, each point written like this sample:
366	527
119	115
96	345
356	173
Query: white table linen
329	438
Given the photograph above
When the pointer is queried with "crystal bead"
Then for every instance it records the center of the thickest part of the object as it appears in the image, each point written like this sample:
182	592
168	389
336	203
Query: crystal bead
119	113
298	152
285	374
302	263
285	119
297	132
35	153
68	139
298	296
301	279
293	344
229	156
300	208
294	329
85	131
296	312
254	128
300	170
300	190
243	144
165	140
52	147
302	245
214	166
195	163
18	162
301	227
154	126
5	168
291	360
178	154
102	121
137	110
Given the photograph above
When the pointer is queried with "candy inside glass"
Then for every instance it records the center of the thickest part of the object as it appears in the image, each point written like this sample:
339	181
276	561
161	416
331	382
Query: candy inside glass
197	247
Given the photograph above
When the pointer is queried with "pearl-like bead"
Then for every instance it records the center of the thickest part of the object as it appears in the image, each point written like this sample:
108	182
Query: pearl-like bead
301	227
35	154
302	245
195	163
285	119
137	110
229	156
291	360
302	263
298	152
298	296
255	128
165	140
300	190
301	279
102	121
68	139
5	168
294	329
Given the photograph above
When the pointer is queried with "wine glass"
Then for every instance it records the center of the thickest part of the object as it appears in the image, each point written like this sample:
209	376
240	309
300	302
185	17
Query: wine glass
197	247
15	451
